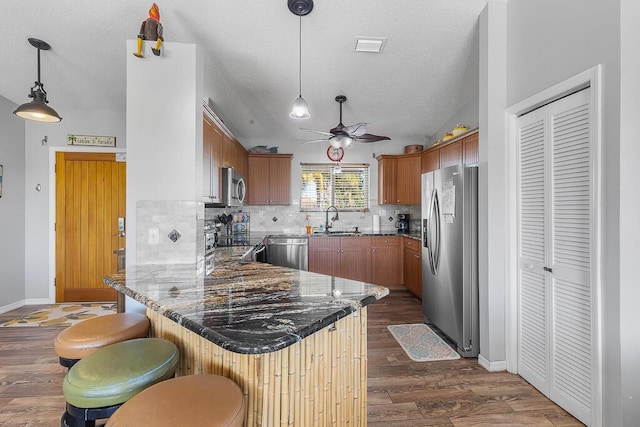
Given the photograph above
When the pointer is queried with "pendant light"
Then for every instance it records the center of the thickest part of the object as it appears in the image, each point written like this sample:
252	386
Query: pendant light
38	109
300	8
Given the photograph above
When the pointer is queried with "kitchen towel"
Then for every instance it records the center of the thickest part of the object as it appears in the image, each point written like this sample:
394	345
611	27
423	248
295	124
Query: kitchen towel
376	223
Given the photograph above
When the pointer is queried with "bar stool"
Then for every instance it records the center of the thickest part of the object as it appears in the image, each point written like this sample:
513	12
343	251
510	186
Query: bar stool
98	384
193	400
84	338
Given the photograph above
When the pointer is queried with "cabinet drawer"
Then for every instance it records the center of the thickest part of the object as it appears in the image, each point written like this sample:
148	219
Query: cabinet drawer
324	242
412	244
361	241
382	241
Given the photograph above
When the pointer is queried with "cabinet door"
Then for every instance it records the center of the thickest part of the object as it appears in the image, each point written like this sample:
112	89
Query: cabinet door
386	257
227	152
408	180
258	181
242	159
355	258
413	272
451	154
206	158
280	181
430	161
470	149
387	181
324	255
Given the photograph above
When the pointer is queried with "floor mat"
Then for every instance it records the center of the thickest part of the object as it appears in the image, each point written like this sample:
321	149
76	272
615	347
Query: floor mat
62	314
422	344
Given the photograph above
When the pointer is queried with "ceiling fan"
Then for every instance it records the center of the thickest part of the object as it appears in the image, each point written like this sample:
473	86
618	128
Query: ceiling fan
343	136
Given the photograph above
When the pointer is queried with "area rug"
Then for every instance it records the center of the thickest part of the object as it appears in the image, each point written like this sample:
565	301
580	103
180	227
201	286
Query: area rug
63	314
422	344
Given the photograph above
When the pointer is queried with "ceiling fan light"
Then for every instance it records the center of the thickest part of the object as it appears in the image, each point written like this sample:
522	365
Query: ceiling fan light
300	109
340	141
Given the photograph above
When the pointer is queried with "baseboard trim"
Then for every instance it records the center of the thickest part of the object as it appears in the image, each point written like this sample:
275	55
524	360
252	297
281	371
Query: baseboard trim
500	365
38	301
12	306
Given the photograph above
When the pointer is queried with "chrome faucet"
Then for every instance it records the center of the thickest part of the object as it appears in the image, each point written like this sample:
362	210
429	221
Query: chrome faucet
326	218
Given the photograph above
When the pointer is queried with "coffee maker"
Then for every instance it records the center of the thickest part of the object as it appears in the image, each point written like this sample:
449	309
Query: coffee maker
402	223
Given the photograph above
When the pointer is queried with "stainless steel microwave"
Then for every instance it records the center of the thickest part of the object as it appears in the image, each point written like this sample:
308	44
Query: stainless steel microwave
234	188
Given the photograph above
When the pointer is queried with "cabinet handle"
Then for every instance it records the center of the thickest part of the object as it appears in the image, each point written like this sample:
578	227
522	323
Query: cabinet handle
373	250
417	256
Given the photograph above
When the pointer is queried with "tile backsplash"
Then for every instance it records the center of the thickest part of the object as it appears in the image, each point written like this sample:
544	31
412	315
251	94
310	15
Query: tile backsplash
289	219
169	232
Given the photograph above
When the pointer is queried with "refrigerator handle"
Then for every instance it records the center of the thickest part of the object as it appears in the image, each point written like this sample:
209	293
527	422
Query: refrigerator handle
429	239
436	248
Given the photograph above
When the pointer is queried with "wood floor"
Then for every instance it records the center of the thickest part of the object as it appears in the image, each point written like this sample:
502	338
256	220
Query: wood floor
401	392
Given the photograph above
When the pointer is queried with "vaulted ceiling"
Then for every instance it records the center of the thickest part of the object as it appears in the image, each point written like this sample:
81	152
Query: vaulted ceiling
427	71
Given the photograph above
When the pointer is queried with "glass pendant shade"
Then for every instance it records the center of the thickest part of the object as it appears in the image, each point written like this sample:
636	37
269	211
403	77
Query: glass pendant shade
300	109
38	109
341	141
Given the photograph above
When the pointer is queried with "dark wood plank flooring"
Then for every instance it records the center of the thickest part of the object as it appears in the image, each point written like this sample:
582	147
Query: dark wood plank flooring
401	392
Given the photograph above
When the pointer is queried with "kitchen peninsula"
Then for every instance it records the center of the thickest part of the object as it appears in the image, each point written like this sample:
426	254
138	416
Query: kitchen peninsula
295	341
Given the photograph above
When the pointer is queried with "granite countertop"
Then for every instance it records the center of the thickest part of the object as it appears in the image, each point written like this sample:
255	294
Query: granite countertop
245	307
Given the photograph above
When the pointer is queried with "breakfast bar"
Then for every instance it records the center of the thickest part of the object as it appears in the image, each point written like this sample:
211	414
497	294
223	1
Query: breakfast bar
294	341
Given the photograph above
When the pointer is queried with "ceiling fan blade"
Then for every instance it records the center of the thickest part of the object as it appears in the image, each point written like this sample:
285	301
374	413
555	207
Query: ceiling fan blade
315	140
367	137
358	129
317	131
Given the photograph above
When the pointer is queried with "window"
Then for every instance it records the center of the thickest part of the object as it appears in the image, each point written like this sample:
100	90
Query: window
344	186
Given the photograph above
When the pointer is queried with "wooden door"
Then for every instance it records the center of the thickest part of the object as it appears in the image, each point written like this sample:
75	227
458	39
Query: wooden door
408	180
451	155
258	181
430	161
355	258
324	255
386	181
280	180
90	197
386	258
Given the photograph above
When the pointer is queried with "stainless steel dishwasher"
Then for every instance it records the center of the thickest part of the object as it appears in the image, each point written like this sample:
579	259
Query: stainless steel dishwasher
288	251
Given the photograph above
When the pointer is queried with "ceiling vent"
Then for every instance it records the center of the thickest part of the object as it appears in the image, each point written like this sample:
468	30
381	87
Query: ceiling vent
370	44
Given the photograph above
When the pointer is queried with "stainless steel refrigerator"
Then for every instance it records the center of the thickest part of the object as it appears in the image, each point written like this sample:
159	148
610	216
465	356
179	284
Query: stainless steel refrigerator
450	255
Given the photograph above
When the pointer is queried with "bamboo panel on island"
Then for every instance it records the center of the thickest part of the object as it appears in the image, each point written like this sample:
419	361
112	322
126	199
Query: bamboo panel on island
320	380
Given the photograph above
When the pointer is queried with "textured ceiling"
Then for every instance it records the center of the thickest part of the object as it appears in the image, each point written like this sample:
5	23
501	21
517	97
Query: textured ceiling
426	73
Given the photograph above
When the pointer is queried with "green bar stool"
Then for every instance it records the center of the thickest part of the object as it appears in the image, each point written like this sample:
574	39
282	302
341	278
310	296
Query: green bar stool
86	337
193	400
98	384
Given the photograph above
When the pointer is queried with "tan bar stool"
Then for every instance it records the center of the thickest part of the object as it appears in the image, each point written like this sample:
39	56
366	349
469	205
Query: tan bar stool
98	384
193	400
84	338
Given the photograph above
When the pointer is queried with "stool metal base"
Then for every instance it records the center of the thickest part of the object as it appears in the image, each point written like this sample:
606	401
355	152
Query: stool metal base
85	417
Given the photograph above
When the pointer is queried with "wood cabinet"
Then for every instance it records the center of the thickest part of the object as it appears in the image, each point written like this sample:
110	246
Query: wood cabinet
386	260
451	154
211	160
412	266
430	160
470	149
269	179
347	257
399	179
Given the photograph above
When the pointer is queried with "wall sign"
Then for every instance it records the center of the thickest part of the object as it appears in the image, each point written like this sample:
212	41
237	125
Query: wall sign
88	140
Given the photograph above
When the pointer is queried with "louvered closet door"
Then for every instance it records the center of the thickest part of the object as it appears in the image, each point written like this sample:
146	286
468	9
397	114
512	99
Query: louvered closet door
556	325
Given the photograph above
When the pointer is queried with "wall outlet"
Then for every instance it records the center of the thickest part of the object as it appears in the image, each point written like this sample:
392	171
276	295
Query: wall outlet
154	236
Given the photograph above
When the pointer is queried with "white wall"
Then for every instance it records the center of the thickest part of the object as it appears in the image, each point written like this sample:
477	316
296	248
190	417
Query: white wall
549	41
12	221
629	211
39	217
164	130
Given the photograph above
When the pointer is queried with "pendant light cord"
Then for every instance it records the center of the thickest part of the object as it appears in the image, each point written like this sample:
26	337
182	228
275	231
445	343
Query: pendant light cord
300	58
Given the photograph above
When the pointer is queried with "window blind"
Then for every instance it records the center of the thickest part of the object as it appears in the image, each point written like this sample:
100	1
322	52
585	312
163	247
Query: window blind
345	186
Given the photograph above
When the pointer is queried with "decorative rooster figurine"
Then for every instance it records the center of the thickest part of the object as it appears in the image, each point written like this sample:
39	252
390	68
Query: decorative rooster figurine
151	29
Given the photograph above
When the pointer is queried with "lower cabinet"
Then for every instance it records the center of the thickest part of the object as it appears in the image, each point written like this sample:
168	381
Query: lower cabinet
347	257
386	260
412	267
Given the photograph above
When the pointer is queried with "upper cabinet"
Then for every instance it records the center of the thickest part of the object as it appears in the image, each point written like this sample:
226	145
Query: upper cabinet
269	179
399	179
399	174
219	150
